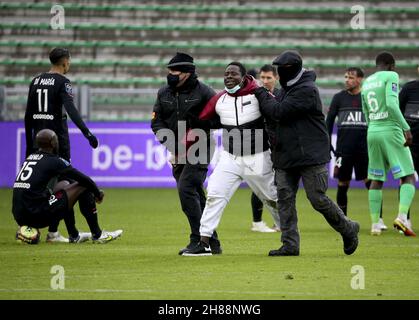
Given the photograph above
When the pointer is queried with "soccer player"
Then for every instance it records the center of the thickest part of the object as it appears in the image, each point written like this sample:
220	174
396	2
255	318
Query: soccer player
245	160
269	78
36	206
351	147
49	92
409	105
388	138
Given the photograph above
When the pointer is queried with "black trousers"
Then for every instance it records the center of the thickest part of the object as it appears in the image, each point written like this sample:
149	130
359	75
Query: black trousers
315	179
190	185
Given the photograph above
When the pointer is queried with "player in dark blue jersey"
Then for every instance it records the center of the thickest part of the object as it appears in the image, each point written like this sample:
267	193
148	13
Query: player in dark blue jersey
37	206
351	147
48	93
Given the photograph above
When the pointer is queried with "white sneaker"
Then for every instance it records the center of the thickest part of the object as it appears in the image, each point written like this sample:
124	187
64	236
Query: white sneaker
261	227
401	224
382	225
409	224
56	237
107	236
376	229
83	237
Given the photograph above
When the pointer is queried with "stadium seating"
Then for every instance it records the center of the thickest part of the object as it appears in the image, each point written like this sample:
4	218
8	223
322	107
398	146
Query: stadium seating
126	45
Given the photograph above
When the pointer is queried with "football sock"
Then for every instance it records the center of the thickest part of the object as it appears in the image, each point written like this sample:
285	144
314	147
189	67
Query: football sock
367	185
407	192
205	240
53	227
408	212
87	206
342	198
70	223
375	198
257	208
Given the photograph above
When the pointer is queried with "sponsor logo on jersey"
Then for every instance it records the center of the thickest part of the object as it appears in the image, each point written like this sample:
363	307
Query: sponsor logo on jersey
52	199
376	172
38	116
47	81
22	185
378	116
396	169
35	156
68	88
354	119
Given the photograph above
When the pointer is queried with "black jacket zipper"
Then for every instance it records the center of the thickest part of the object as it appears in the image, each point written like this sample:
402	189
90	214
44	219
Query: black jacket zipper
237	114
177	105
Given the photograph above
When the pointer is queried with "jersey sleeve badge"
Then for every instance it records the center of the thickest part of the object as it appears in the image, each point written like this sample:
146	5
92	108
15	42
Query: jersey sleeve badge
68	88
394	87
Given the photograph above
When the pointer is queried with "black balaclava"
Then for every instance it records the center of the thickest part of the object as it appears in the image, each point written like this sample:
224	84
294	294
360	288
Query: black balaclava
180	62
289	65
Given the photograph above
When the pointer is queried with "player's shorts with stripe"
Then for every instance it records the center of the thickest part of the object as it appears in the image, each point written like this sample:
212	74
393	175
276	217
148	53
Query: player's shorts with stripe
386	151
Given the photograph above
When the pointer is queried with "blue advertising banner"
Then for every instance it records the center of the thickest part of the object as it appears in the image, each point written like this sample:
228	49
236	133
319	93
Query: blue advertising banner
128	156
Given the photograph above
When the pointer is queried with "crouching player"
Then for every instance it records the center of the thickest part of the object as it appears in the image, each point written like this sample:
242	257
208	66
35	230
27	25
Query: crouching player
36	206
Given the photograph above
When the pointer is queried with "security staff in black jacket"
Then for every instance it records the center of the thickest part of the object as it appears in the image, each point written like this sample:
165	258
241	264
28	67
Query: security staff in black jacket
178	103
301	151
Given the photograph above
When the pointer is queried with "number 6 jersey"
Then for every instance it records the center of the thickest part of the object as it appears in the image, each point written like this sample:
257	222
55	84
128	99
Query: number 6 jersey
380	102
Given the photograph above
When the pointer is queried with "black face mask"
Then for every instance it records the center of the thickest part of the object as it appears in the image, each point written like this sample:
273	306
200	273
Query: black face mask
172	80
288	73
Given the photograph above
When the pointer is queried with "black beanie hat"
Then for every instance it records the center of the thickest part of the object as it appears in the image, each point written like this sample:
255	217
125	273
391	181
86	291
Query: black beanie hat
182	62
288	57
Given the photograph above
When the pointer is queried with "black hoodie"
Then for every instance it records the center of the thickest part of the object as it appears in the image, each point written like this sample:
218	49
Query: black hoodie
301	133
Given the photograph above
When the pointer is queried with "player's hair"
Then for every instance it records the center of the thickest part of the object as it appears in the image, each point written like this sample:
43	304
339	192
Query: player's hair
269	68
57	54
384	59
358	71
242	68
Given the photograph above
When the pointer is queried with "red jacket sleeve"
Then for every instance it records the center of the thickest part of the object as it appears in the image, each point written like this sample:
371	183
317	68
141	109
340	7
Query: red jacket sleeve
209	110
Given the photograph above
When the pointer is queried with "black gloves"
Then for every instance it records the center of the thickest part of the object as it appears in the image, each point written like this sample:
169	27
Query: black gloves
92	140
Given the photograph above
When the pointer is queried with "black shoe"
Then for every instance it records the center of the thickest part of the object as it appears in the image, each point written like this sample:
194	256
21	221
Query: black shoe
215	246
201	249
191	245
350	243
284	252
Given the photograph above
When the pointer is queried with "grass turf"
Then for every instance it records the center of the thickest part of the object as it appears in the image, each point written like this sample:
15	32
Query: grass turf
144	264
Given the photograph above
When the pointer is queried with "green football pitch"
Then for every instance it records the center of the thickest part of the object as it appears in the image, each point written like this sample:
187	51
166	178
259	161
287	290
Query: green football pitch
143	263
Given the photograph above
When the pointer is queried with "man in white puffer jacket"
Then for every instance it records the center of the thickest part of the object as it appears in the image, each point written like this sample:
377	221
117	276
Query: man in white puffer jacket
246	155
